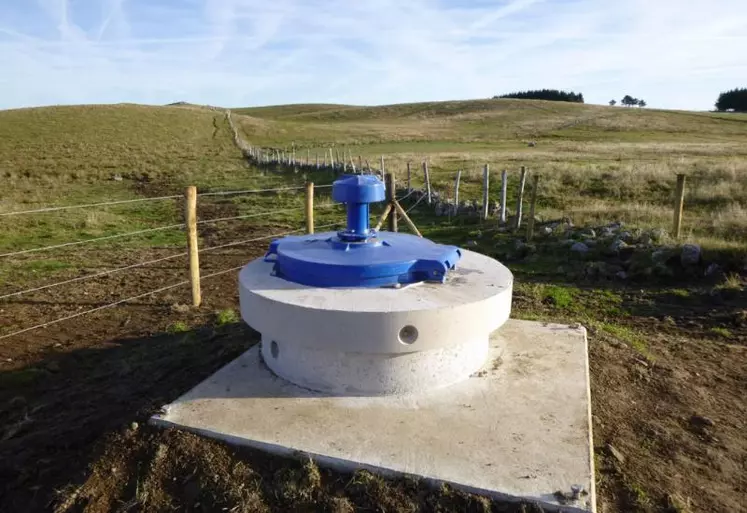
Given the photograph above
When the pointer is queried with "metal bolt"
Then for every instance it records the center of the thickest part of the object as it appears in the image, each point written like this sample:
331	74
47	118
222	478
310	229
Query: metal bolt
576	491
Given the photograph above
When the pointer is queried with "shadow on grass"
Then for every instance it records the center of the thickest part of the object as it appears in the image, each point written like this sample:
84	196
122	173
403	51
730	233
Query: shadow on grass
51	413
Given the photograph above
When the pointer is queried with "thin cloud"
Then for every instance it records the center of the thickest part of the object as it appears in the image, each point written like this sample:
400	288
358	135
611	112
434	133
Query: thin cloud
251	52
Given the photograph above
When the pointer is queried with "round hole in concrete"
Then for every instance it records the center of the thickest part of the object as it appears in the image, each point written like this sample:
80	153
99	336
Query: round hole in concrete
408	334
274	349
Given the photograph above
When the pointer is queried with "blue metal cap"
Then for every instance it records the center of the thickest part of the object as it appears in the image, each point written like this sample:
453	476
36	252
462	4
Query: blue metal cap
358	256
358	189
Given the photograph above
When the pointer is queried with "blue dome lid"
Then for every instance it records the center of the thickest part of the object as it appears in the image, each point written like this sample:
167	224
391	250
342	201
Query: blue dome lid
358	256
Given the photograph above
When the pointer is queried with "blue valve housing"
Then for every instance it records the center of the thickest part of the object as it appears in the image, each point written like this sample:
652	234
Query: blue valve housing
358	256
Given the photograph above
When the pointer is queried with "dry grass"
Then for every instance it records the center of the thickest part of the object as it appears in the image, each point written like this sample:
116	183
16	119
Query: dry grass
597	164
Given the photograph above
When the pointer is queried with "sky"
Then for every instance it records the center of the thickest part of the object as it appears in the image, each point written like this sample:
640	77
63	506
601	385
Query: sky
673	53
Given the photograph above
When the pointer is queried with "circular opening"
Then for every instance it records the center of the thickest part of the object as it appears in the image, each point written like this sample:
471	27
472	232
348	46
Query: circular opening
408	334
274	349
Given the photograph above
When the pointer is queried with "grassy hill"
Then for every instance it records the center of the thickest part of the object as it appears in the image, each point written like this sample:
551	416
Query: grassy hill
597	163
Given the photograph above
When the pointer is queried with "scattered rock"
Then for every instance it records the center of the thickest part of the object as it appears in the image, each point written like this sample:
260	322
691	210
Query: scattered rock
617	245
701	421
658	234
532	144
580	247
117	178
493	207
179	308
713	269
546	230
690	254
471	243
615	453
53	367
134	426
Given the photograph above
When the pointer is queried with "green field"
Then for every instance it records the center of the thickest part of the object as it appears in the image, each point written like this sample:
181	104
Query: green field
666	345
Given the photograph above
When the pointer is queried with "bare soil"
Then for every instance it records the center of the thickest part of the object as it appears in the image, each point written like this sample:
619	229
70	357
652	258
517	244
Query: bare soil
669	432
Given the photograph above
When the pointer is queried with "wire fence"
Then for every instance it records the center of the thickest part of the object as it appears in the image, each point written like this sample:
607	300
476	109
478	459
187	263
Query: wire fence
190	224
145	294
152	230
147	263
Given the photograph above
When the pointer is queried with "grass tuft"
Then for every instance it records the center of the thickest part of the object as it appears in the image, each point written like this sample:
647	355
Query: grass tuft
227	316
178	327
721	332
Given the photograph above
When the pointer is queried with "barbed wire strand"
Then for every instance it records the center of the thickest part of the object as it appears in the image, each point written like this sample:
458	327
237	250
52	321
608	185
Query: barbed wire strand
416	204
79	314
157	198
89	205
160	228
96	239
403	198
162	289
143	264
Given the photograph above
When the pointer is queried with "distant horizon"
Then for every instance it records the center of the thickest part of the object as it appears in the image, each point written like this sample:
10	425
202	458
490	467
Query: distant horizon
380	52
187	102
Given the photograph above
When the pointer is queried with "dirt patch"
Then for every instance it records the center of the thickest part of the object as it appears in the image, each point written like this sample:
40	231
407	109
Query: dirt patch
69	396
144	469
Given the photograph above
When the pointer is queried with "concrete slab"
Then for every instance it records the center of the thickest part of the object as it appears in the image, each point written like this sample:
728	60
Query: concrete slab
518	429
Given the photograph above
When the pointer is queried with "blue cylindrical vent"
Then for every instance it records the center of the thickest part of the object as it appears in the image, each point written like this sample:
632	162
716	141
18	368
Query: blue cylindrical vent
357	191
357	228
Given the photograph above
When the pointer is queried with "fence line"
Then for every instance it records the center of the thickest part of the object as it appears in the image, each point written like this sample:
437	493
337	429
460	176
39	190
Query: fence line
156	291
88	205
248	191
97	239
143	264
149	230
157	198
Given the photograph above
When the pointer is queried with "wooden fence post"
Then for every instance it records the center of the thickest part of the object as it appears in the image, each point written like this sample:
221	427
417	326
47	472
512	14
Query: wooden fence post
679	201
190	218
409	177
456	190
427	177
504	189
307	156
310	207
532	205
520	198
390	197
381	166
485	191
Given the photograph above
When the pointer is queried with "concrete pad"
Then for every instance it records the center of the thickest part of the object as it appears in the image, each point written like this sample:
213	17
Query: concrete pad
520	428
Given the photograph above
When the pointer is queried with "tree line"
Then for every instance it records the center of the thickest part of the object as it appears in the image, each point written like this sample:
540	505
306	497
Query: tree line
629	101
734	100
545	94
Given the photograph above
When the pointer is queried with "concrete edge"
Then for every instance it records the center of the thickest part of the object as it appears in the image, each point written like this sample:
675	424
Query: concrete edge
342	465
593	480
